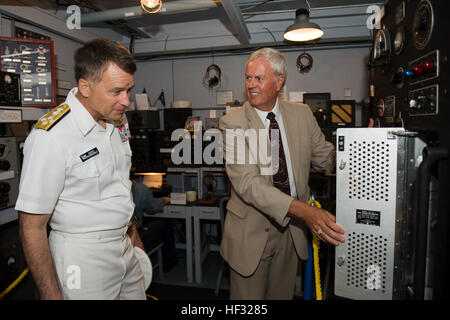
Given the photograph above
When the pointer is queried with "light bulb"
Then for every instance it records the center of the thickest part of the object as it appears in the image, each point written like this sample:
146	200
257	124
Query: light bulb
151	6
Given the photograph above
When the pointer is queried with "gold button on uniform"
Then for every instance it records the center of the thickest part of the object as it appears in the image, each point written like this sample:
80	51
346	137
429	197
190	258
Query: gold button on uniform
266	229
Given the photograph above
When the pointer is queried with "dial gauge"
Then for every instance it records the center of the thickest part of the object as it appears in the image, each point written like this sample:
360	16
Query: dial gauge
8	79
382	44
423	24
399	40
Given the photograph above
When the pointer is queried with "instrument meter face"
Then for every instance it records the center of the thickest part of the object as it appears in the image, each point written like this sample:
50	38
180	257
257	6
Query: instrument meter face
423	24
382	44
8	79
399	40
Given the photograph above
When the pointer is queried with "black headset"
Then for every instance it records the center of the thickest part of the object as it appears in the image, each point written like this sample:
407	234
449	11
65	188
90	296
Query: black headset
212	80
304	68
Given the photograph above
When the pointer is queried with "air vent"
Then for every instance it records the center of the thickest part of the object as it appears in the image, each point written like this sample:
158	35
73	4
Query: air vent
369	170
366	261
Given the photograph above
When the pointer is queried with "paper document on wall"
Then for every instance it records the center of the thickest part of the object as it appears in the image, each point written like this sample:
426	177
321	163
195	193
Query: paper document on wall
296	96
142	101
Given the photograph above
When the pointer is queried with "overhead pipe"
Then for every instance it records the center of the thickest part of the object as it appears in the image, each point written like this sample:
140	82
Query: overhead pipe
184	6
134	12
187	53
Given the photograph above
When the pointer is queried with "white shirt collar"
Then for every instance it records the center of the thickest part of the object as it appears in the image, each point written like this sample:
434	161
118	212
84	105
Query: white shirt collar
263	114
83	118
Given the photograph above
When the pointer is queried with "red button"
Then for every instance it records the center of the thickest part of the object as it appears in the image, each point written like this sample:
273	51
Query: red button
417	70
428	65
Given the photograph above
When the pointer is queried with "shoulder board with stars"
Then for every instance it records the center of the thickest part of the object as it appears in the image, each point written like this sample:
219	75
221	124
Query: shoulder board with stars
51	118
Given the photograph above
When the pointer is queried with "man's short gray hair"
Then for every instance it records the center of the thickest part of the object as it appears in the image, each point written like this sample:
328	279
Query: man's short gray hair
276	59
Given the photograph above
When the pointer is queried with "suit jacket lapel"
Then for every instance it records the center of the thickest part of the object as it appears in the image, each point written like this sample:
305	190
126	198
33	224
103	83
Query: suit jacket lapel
254	122
252	117
291	126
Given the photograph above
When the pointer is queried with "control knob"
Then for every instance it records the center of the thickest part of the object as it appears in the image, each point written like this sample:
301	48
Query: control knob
4	187
4	165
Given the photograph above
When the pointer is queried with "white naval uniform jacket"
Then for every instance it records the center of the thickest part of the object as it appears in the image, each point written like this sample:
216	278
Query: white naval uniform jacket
78	171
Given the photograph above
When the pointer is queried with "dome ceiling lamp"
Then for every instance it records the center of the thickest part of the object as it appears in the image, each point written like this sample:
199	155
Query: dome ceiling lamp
303	29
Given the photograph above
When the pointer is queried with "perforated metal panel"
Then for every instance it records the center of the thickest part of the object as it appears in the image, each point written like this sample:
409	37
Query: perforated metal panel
366	205
366	264
368	170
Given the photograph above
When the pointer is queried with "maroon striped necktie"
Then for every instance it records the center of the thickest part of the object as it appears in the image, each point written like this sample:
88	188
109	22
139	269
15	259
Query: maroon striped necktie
281	178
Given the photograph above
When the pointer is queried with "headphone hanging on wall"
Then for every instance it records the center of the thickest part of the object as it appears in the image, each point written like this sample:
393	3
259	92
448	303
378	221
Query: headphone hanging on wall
212	76
302	66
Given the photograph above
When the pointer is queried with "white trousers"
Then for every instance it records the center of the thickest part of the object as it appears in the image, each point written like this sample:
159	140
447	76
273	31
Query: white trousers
97	266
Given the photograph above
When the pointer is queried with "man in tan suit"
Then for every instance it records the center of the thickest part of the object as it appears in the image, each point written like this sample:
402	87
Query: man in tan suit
266	225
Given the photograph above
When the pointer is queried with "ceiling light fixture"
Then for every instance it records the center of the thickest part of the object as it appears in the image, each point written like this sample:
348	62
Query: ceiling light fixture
303	29
151	6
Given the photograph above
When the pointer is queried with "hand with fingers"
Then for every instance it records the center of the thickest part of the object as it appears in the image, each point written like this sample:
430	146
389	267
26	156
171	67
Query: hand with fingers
320	221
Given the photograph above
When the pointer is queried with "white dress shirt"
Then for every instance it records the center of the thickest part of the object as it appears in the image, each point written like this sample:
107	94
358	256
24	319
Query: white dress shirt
263	115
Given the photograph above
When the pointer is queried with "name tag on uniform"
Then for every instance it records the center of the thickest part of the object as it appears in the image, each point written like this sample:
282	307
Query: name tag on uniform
89	154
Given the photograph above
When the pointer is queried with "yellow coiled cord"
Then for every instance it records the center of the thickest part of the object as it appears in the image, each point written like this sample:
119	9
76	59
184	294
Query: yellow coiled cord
14	284
25	272
316	247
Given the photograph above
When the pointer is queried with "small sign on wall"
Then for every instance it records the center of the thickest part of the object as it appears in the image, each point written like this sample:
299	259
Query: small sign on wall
224	97
34	61
10	116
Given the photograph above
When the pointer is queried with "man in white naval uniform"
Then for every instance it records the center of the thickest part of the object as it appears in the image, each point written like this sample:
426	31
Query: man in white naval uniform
76	178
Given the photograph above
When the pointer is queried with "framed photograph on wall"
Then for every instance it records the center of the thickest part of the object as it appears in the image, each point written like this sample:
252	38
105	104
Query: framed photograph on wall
34	60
